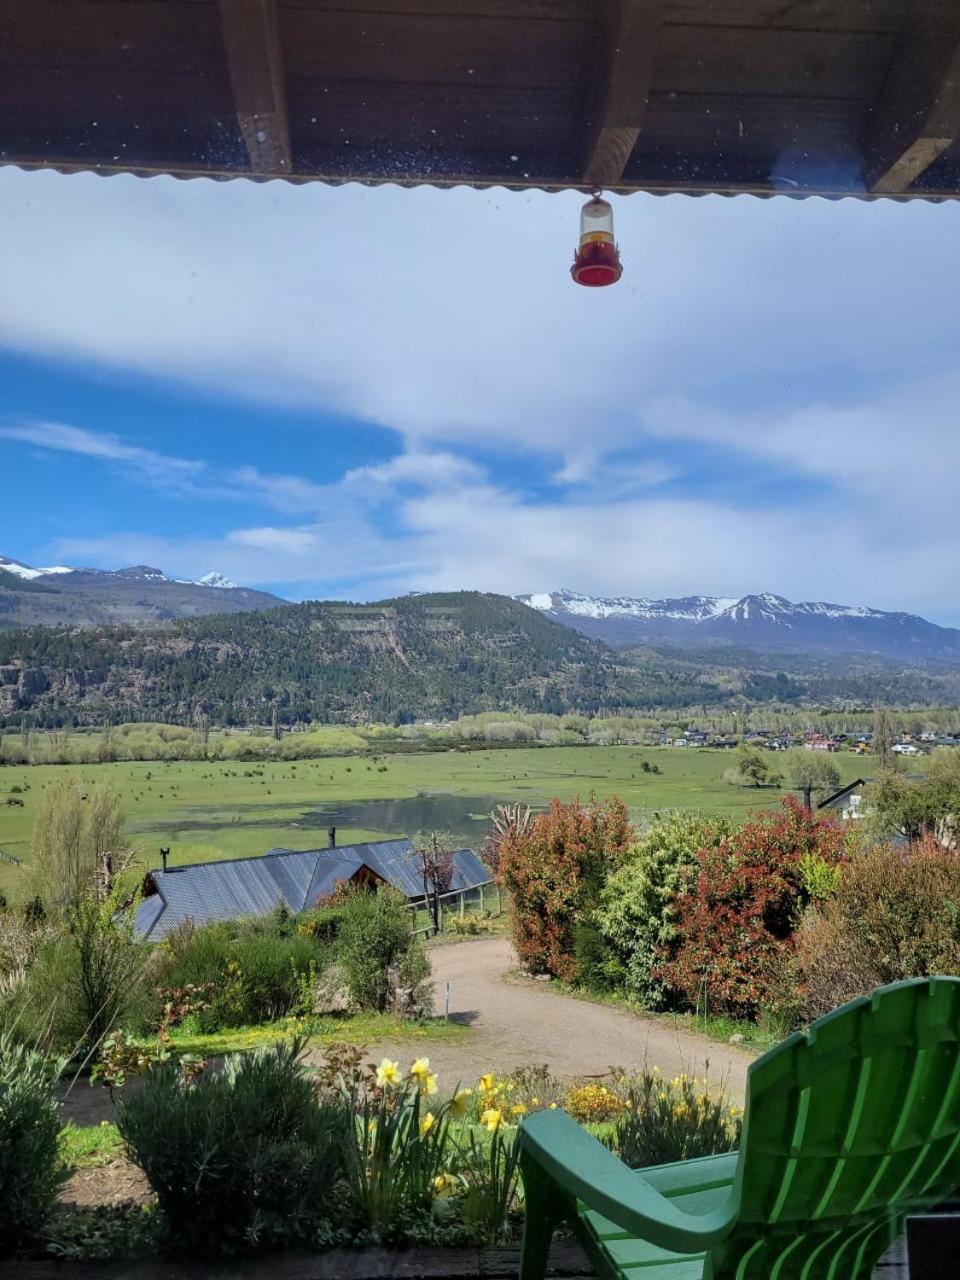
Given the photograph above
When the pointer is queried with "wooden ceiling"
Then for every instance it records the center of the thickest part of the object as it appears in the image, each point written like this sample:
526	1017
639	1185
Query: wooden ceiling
832	97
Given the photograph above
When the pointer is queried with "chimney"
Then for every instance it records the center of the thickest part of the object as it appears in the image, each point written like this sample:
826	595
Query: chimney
332	838
164	854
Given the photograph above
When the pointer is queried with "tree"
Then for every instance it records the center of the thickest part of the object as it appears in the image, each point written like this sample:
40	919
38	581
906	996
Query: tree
883	738
554	871
812	771
434	859
754	769
77	837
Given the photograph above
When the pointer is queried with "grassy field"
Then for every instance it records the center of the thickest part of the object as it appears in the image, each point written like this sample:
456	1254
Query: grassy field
204	810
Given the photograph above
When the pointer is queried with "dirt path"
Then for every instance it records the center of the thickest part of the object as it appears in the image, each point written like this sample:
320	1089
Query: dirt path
523	1021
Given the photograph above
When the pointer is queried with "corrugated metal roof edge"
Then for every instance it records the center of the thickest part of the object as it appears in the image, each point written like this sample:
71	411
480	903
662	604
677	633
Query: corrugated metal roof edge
477	183
256	857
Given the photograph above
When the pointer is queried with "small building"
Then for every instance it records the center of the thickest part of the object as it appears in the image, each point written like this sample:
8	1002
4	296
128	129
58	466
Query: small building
297	879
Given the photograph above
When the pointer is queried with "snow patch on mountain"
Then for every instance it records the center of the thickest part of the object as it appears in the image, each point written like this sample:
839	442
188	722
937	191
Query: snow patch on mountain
216	580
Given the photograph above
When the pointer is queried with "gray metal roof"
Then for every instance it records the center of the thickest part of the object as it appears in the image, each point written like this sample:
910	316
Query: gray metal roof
236	887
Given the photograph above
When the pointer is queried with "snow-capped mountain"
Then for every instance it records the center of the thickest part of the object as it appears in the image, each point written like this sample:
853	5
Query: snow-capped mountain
762	621
71	595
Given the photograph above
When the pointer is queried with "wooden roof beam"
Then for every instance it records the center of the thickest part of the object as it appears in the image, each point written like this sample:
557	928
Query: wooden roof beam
918	115
251	35
625	58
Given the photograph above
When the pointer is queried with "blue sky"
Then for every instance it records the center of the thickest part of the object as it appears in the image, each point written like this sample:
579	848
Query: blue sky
353	393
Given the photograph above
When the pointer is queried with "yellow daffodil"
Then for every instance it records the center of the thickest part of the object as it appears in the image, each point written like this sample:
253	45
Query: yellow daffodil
488	1083
444	1182
492	1118
518	1110
553	1106
460	1104
427	1121
534	1102
388	1074
429	1085
420	1070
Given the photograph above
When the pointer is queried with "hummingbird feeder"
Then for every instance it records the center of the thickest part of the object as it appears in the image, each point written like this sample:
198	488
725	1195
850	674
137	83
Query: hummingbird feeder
597	260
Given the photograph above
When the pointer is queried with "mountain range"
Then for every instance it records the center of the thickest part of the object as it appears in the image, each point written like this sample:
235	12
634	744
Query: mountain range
62	595
765	623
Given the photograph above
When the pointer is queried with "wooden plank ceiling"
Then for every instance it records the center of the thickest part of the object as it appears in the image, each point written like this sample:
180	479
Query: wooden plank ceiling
799	96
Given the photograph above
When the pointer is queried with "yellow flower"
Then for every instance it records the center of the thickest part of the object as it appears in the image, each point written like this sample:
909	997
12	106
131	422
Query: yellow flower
444	1182
534	1102
518	1110
429	1086
492	1118
680	1110
488	1083
553	1106
388	1074
461	1103
427	1121
420	1070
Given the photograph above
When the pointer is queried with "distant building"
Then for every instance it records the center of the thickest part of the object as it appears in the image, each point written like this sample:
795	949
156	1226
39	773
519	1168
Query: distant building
296	879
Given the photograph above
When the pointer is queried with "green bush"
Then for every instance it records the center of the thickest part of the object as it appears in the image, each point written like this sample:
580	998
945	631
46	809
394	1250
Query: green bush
375	940
256	969
637	915
241	1159
599	969
31	1172
88	976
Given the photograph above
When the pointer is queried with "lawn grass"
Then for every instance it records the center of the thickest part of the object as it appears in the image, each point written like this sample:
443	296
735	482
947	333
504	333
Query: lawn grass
90	1146
252	808
359	1029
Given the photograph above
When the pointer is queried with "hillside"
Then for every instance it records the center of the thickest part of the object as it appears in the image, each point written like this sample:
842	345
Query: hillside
64	596
762	623
416	658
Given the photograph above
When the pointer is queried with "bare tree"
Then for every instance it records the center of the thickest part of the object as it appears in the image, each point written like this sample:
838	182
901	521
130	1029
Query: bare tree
506	819
434	855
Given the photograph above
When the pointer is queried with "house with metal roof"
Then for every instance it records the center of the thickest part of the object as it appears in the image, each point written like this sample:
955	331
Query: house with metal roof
297	879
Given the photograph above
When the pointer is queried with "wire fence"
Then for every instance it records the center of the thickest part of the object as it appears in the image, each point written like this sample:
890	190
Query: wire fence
486	900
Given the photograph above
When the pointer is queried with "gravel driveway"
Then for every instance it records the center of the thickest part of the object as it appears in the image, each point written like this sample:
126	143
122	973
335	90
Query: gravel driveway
521	1021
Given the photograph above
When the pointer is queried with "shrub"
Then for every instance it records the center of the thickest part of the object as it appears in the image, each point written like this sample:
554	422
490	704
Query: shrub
662	1122
735	922
377	950
31	1172
241	1159
593	1104
598	967
88	977
254	969
637	913
554	869
895	914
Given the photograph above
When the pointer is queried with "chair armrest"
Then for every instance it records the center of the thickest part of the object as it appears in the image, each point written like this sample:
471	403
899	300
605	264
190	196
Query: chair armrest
585	1169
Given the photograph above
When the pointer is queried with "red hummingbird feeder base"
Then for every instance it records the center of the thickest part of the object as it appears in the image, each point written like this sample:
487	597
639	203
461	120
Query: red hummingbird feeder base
597	264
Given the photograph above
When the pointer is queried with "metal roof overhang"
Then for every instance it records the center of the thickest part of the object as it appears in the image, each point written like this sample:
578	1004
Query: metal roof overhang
811	97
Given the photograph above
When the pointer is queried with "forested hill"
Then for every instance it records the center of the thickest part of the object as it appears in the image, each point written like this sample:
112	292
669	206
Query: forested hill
415	658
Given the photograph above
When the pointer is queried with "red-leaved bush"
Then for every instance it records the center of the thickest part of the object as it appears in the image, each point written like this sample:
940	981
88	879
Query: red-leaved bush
736	921
554	869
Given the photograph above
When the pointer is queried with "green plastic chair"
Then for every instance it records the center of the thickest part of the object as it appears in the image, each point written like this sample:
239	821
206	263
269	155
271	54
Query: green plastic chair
848	1127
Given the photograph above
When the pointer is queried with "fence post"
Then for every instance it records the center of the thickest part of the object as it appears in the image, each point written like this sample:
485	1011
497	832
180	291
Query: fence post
481	899
463	903
499	903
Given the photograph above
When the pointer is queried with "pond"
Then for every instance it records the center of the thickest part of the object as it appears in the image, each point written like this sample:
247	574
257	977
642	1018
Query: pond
466	818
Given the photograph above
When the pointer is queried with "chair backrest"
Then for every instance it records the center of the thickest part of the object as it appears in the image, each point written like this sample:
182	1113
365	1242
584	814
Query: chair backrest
847	1127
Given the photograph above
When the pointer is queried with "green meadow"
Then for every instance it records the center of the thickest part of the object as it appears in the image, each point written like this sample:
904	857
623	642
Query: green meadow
203	810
